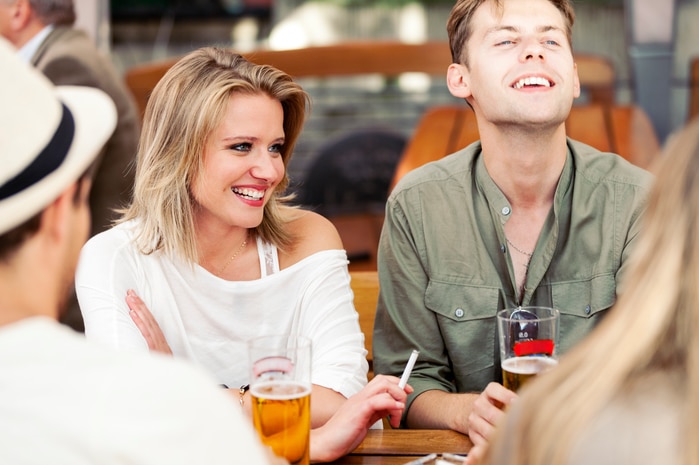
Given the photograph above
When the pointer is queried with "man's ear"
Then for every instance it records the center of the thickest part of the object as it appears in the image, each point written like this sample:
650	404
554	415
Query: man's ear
458	80
20	14
576	81
57	216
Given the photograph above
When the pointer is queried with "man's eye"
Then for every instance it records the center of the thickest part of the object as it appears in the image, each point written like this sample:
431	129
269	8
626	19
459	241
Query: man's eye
505	42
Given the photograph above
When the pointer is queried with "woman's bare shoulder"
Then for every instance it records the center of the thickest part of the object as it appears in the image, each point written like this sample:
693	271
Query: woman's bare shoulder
312	233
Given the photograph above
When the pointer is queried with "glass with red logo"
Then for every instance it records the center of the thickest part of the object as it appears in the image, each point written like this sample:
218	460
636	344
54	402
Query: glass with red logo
528	343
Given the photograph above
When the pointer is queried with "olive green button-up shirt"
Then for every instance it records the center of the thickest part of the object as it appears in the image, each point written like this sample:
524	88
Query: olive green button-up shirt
445	269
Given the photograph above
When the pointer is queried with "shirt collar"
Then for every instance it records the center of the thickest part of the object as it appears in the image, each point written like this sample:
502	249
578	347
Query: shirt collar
499	202
29	49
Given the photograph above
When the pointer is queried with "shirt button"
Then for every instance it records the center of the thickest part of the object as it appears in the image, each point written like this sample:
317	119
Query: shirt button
459	312
587	310
505	210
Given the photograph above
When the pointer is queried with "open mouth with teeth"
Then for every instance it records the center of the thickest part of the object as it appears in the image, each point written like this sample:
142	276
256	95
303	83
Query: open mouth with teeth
532	82
250	194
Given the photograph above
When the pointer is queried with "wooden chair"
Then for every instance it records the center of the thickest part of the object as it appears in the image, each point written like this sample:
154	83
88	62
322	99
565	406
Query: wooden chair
365	285
623	129
693	89
597	78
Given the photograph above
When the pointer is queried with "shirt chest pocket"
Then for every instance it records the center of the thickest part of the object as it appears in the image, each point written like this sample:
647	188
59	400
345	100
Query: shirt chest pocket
582	305
466	318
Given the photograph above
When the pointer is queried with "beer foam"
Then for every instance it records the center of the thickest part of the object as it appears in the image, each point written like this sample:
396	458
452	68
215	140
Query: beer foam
280	390
529	365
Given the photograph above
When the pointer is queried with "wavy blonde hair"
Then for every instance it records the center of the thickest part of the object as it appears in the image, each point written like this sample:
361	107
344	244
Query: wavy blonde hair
652	328
185	107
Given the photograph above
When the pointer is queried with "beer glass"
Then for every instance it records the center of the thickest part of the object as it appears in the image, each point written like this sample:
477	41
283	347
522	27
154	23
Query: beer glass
528	343
280	389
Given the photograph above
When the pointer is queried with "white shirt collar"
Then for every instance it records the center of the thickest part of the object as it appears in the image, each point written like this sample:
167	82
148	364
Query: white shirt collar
29	49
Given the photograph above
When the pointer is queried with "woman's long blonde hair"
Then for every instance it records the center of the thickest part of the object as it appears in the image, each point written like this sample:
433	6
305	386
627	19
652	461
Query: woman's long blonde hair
654	326
183	110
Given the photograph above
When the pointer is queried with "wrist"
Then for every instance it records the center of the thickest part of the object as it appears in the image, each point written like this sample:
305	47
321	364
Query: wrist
243	389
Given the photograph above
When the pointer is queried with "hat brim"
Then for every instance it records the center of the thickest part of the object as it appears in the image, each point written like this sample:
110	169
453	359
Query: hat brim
95	119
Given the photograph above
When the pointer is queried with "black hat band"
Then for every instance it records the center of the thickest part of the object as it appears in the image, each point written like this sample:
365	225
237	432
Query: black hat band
50	158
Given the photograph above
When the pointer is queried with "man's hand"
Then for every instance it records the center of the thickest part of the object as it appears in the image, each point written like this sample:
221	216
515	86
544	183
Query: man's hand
487	410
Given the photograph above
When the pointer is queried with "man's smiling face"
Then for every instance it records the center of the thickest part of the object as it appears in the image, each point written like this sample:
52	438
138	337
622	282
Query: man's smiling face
520	64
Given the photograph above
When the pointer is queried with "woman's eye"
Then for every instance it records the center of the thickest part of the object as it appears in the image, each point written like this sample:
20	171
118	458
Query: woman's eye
244	147
276	148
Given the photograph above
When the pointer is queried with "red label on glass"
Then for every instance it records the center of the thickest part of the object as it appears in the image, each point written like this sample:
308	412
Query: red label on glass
539	346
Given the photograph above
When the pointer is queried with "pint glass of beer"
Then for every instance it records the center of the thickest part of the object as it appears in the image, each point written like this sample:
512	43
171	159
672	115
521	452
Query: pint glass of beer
528	343
280	388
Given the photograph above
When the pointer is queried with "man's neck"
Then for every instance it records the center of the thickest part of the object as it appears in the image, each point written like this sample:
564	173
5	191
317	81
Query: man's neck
525	164
27	289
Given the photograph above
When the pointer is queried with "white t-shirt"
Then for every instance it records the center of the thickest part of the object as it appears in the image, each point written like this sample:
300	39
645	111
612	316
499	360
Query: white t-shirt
209	320
64	400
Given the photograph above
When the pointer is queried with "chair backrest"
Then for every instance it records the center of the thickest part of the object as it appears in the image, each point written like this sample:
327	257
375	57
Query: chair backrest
623	129
365	285
597	78
693	89
387	58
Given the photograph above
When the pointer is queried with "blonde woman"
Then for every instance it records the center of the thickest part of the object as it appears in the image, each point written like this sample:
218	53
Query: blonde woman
629	393
210	254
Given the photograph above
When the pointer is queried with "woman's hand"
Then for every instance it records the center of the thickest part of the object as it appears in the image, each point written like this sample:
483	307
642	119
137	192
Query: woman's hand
348	426
145	322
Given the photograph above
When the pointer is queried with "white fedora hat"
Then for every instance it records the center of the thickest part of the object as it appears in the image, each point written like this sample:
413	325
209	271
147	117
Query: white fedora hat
49	136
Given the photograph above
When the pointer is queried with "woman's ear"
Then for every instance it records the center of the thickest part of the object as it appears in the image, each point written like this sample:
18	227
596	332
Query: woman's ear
458	80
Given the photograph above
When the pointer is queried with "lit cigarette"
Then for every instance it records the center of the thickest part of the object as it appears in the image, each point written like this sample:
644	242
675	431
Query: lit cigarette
408	369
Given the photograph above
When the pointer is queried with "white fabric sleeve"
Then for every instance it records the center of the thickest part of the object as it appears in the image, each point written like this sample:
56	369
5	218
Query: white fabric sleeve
106	270
328	317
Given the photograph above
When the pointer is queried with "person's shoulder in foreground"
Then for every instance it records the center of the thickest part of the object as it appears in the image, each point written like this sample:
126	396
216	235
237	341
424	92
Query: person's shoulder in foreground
76	402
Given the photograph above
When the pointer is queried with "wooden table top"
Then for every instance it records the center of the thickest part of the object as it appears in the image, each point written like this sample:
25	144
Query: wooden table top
399	446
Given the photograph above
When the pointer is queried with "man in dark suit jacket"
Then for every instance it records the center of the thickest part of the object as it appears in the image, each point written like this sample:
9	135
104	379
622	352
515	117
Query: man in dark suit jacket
42	32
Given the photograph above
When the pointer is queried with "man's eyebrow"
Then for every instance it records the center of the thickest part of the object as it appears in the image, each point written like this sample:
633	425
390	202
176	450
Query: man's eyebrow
500	28
514	29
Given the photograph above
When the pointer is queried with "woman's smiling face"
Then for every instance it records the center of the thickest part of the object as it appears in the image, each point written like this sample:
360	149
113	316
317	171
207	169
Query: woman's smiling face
242	163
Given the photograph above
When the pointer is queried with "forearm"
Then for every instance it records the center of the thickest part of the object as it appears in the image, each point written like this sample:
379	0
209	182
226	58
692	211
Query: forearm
324	403
441	410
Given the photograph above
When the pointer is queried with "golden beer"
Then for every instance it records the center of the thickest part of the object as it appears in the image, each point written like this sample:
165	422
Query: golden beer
281	413
518	370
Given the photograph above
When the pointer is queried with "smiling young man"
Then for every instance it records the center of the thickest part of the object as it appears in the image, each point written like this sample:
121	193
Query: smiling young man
525	216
